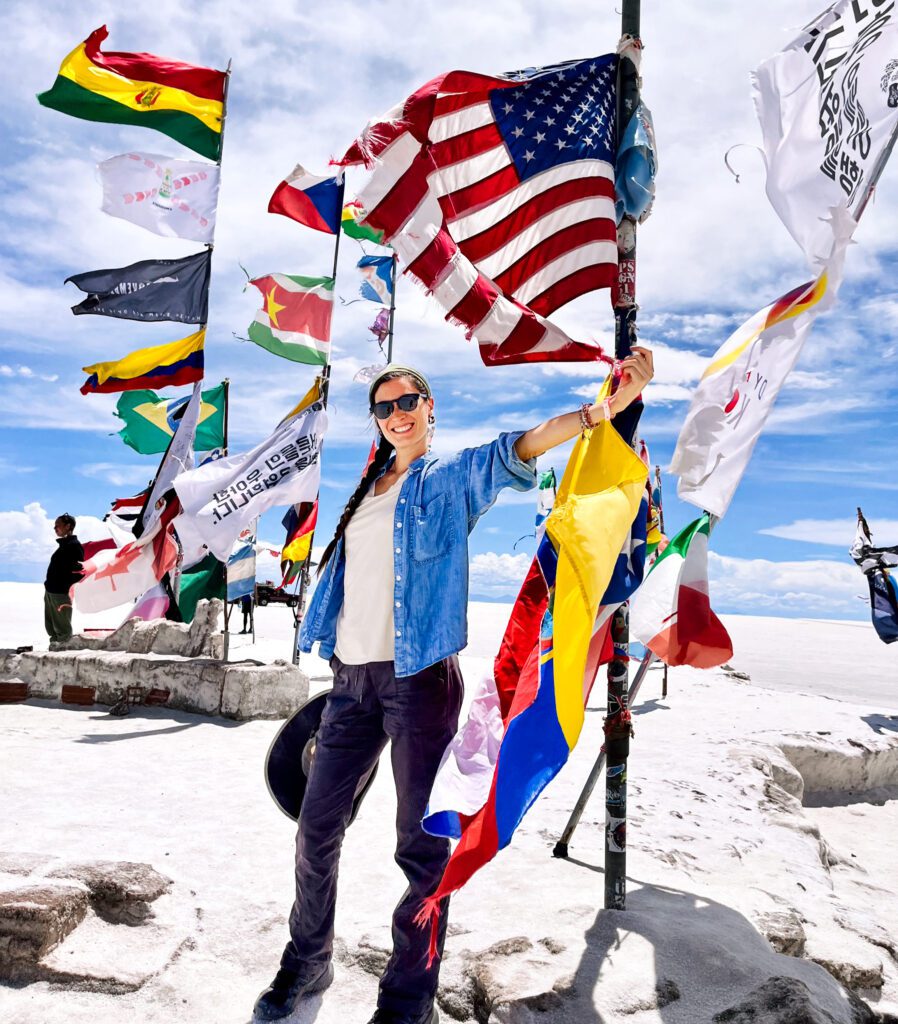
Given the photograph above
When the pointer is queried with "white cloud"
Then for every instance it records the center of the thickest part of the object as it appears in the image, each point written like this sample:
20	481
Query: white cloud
498	575
828	589
118	475
834	532
28	537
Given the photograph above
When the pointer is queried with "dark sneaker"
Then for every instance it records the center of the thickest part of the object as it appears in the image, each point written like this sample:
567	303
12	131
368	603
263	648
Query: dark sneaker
280	998
429	1016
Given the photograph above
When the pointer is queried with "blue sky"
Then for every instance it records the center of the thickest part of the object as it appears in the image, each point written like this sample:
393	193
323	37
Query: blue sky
303	86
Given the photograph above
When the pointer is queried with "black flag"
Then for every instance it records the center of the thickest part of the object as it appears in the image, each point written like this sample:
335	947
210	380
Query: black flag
150	290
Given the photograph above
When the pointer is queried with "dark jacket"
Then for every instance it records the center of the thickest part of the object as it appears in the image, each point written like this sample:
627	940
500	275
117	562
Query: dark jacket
64	569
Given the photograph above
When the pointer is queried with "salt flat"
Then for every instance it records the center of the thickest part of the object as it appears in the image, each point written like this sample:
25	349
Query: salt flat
720	848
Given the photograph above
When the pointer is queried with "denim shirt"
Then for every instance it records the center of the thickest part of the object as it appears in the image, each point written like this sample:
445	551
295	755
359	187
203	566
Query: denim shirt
440	501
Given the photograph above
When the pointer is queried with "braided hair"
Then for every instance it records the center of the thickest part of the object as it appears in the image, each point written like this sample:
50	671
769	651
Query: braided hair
381	458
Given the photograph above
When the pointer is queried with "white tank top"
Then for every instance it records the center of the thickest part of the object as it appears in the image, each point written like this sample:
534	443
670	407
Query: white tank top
365	622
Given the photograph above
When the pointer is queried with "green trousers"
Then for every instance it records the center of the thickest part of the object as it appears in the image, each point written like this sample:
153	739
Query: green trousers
58	616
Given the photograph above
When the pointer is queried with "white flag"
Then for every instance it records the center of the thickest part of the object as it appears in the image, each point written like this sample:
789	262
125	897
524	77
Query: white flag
224	496
737	390
169	197
177	459
828	107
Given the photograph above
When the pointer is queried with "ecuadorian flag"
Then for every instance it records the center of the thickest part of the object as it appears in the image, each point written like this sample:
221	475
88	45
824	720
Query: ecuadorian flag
183	101
162	366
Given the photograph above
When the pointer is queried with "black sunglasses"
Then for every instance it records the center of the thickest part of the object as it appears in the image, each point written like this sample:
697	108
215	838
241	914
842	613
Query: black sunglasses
407	403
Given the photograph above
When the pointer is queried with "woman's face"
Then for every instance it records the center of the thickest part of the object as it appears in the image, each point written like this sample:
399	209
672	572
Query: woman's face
406	431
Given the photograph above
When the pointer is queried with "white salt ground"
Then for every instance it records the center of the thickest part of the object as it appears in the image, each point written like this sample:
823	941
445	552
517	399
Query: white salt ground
715	840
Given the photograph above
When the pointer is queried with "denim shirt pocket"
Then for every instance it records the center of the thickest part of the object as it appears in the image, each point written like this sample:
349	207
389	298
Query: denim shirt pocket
433	530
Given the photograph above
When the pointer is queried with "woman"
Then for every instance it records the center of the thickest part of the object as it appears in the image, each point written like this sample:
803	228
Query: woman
390	612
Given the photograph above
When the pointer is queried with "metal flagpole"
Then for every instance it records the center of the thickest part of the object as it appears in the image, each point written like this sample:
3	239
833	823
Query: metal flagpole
304	573
224	451
617	714
392	308
226	638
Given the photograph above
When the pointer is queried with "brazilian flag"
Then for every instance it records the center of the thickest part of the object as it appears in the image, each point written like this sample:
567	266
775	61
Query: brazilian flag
151	421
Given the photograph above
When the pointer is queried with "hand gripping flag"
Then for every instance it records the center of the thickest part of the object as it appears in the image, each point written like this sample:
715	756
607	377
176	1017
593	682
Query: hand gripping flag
151	421
161	366
175	198
310	199
497	193
828	107
733	399
183	101
671	612
522	733
377	278
149	290
295	319
223	497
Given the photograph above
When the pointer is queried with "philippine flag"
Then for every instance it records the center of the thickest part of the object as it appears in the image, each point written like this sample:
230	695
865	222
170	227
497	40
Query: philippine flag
310	199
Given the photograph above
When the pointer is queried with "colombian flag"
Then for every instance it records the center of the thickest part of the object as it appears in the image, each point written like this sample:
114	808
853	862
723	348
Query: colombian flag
162	366
520	733
183	101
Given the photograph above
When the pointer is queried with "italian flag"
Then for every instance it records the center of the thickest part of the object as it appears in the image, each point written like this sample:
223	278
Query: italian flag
295	319
671	612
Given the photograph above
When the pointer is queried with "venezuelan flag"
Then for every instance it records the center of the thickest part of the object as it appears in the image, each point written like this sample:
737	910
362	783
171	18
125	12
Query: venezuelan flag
589	560
162	366
183	101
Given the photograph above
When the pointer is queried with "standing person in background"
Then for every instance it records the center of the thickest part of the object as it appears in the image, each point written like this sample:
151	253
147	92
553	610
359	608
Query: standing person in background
63	573
246	606
390	611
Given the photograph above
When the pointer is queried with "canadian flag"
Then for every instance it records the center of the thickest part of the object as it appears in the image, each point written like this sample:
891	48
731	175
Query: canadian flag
114	578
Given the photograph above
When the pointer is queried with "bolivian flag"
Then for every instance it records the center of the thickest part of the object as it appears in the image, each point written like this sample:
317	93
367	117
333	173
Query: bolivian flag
183	101
162	366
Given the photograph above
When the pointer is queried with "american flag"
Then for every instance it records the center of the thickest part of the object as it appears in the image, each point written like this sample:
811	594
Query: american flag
497	193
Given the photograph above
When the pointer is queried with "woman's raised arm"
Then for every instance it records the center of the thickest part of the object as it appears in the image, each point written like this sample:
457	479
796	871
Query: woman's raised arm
636	371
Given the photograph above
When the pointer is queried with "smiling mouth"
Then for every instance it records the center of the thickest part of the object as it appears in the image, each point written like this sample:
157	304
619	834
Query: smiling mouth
402	430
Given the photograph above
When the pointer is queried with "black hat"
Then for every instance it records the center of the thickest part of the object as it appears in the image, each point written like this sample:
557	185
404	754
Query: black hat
290	757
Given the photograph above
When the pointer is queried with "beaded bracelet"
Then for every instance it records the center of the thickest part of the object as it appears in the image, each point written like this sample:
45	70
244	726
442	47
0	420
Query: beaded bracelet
586	422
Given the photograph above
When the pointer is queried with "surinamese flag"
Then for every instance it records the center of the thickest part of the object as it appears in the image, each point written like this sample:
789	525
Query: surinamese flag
671	612
223	497
828	107
734	397
151	421
161	366
175	198
295	319
183	101
150	290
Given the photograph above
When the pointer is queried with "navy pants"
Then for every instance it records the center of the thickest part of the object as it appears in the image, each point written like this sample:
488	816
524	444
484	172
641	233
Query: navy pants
419	716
